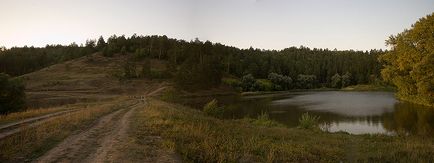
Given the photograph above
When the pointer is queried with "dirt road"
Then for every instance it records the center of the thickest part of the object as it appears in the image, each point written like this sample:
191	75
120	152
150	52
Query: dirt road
106	141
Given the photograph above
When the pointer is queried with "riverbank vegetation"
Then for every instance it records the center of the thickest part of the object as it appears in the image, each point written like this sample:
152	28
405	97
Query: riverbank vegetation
200	138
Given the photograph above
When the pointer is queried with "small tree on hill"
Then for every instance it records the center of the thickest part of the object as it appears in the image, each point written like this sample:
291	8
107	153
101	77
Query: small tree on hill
100	45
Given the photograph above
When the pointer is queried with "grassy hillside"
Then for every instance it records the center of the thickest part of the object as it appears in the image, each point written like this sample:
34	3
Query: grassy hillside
89	78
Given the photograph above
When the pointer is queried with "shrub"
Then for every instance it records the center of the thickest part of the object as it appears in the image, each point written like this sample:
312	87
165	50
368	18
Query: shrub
263	85
212	109
308	121
264	120
169	95
235	83
12	96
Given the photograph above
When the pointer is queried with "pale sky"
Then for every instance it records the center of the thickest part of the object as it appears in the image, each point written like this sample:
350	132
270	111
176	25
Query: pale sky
264	24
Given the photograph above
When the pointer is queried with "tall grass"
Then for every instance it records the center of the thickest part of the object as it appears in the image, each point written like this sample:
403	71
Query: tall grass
212	109
28	114
264	120
307	121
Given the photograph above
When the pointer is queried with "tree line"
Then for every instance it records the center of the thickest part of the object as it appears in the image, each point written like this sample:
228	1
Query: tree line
198	64
17	61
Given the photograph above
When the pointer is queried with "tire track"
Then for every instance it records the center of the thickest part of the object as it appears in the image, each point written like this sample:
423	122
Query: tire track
15	127
72	147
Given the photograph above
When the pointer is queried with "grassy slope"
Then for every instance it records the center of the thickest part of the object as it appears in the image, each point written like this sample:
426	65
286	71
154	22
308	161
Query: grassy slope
89	78
200	138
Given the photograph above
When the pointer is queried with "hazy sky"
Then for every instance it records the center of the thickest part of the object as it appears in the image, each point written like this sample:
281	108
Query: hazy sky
265	24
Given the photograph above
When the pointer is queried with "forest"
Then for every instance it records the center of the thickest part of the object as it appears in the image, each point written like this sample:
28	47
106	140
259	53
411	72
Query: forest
201	64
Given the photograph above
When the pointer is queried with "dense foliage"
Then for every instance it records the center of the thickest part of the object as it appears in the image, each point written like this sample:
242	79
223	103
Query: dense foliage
410	63
18	61
11	94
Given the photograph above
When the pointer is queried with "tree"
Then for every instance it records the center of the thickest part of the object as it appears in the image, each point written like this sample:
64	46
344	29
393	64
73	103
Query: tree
336	81
280	82
247	82
306	81
146	68
101	43
129	70
140	54
108	51
409	65
346	79
12	96
123	50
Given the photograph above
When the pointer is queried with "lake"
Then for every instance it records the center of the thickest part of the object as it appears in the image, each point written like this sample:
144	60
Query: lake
352	112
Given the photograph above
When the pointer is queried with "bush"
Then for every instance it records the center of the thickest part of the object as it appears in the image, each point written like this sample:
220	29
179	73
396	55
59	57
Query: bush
263	85
264	120
212	109
308	121
235	83
12	96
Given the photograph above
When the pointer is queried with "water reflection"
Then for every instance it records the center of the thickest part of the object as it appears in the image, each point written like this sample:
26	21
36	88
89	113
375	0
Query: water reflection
410	119
352	112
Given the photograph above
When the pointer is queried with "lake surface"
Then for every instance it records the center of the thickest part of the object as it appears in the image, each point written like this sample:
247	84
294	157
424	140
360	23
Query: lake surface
352	112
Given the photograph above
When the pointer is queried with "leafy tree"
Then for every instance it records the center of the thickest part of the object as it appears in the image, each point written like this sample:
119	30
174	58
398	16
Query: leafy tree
410	63
306	81
346	79
247	82
336	81
12	96
100	45
280	82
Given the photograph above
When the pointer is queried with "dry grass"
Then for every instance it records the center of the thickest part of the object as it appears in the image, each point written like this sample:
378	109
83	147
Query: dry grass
199	138
30	113
33	141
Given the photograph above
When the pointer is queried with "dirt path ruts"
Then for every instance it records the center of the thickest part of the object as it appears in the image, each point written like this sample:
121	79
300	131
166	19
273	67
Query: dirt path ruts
114	142
12	128
72	147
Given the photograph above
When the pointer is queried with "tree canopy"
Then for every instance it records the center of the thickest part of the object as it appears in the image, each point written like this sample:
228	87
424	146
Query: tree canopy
410	63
